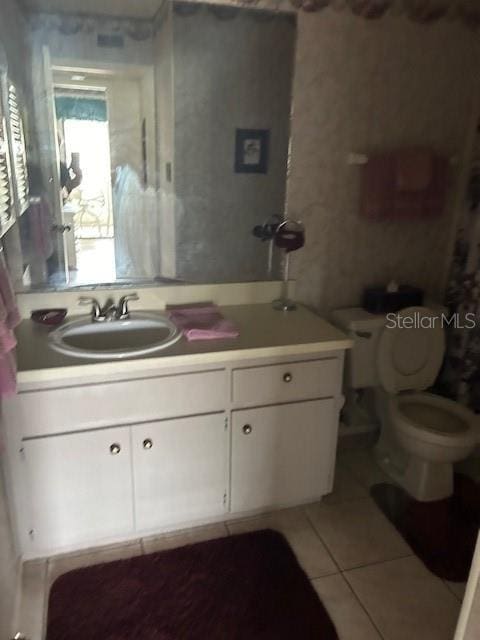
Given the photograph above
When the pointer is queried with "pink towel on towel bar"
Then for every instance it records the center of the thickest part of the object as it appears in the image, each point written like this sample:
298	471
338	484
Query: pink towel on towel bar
413	169
202	322
9	319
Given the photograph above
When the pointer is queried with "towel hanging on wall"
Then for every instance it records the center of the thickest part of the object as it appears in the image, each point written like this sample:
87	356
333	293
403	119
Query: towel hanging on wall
410	183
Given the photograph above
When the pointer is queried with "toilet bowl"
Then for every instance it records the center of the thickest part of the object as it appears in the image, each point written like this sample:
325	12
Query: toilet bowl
421	434
431	431
434	432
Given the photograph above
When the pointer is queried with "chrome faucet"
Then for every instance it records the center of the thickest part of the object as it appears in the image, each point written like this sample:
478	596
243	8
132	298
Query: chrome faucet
110	311
122	311
97	311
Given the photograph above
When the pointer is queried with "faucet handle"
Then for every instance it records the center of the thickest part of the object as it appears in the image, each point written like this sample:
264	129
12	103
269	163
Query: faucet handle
123	311
96	309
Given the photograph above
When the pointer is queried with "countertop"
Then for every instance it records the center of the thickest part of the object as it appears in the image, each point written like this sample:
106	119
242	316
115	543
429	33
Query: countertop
263	331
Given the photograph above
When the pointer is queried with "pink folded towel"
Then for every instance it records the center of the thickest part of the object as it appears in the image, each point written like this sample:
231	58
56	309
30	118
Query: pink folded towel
8	374
404	184
9	319
203	322
413	169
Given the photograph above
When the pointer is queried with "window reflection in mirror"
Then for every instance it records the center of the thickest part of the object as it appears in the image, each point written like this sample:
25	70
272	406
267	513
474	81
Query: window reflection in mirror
157	140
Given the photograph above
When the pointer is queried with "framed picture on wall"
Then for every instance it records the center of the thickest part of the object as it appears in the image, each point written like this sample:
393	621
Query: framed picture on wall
251	150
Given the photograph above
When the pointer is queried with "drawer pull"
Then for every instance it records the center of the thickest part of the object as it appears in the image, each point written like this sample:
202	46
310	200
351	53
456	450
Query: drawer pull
247	429
115	449
147	443
287	377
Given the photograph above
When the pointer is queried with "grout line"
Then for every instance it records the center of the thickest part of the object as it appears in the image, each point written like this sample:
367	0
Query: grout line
343	500
329	552
446	583
324	575
357	598
377	562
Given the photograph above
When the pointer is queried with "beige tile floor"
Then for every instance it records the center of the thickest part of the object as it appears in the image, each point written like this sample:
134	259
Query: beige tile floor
365	574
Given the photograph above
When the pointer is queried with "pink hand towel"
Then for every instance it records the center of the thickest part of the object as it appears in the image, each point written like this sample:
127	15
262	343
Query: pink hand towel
8	374
202	323
9	319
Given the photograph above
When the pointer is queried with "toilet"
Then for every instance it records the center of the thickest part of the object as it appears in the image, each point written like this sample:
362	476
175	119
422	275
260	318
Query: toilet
421	434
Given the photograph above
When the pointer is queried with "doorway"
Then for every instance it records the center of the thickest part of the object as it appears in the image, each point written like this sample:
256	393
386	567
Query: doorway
84	140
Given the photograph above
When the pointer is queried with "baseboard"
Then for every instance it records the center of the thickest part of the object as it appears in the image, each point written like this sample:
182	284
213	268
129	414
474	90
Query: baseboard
355	430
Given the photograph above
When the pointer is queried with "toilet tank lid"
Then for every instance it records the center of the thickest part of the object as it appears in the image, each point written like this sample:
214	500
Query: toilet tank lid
357	319
409	356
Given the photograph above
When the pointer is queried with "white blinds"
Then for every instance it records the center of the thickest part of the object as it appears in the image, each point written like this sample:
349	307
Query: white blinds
6	200
19	158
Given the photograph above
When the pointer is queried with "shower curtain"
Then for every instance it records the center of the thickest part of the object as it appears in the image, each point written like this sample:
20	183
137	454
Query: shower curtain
136	227
460	378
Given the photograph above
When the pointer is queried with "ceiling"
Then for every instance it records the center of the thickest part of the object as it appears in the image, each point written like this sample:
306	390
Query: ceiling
127	8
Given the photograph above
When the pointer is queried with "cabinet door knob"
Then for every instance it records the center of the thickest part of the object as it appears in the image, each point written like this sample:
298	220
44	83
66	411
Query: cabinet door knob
247	428
115	449
287	377
147	443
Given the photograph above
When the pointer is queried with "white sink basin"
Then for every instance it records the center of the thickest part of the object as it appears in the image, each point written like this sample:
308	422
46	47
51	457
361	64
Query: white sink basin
140	335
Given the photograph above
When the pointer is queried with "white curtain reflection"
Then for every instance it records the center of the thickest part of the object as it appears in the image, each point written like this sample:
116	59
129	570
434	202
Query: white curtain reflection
135	224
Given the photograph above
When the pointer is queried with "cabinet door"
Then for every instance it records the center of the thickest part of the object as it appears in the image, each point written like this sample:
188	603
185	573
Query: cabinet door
80	486
282	454
180	469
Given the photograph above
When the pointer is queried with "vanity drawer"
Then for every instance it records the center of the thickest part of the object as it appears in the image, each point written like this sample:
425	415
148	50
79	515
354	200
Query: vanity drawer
126	402
286	382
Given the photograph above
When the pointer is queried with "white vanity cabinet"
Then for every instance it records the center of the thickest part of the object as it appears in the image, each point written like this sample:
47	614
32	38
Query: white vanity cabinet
180	469
282	454
78	487
105	482
107	459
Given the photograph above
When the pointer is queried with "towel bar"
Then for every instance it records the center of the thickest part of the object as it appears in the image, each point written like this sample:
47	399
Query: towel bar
360	158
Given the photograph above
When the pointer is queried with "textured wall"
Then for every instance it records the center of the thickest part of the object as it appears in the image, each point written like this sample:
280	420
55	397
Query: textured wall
83	46
163	54
362	85
228	74
12	39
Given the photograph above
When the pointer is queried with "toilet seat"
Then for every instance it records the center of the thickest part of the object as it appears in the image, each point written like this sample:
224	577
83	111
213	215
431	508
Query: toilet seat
409	358
433	419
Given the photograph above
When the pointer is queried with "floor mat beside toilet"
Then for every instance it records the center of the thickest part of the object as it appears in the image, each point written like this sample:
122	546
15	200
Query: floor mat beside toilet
442	533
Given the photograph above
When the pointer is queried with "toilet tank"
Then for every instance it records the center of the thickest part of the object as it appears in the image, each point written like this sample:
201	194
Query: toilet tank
364	329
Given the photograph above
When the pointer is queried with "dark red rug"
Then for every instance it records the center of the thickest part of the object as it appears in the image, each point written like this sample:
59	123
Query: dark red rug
244	587
442	533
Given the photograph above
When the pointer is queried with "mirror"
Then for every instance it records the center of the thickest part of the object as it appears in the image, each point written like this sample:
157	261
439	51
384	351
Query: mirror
157	141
